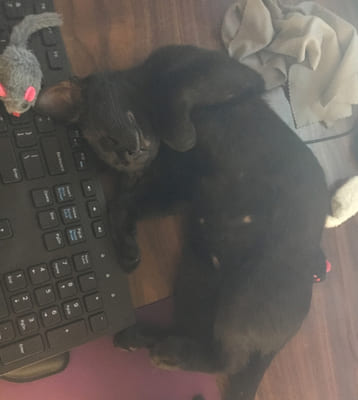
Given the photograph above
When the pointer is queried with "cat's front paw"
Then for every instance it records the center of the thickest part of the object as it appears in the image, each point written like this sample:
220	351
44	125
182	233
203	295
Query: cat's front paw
129	339
166	354
128	252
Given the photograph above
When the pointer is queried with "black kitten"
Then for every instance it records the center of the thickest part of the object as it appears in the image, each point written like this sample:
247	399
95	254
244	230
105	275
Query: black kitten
255	196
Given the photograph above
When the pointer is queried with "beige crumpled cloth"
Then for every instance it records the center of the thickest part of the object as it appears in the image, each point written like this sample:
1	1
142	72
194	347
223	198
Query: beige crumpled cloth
306	46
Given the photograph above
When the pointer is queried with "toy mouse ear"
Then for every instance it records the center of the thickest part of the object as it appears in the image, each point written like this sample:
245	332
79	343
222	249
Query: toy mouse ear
30	94
61	102
2	91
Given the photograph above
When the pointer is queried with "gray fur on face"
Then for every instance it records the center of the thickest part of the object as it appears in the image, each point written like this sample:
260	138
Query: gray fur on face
19	68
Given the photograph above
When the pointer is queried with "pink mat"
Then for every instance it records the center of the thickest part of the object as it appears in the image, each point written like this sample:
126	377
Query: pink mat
98	371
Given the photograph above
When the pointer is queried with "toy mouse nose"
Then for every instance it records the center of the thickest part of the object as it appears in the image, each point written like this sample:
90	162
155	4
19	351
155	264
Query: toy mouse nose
16	114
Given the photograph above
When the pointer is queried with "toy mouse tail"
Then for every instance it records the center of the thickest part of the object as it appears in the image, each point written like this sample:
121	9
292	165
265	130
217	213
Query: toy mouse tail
31	24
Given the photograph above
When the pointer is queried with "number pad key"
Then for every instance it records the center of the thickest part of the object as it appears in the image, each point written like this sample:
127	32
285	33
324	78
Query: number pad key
72	309
87	282
98	322
27	324
51	316
48	219
41	197
66	288
75	235
69	214
64	193
54	240
16	280
61	267
82	261
98	229
88	188
45	295
6	332
94	210
93	302
39	274
21	302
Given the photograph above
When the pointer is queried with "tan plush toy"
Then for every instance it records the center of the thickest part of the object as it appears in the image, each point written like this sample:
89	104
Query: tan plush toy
344	203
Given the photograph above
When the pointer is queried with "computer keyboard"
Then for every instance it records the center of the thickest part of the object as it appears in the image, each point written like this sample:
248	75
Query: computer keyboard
60	283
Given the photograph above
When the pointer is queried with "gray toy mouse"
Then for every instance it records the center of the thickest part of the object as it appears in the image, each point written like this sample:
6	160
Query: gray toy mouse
20	72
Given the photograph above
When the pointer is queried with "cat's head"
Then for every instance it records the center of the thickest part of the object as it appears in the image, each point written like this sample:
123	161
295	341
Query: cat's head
111	116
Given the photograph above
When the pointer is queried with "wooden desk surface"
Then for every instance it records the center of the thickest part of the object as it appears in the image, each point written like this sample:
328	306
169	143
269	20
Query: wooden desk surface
321	362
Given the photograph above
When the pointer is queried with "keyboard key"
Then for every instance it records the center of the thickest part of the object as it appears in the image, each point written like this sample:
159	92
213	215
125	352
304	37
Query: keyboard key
98	229
66	288
45	295
61	267
3	308
53	155
87	282
81	160
93	302
44	124
69	214
39	274
5	229
88	188
48	219
55	58
25	137
54	240
21	302
98	322
64	193
41	197
50	36
9	169
18	351
43	6
94	210
15	280
27	324
22	119
3	124
6	332
75	235
32	164
72	309
82	261
51	316
75	138
4	41
14	8
67	335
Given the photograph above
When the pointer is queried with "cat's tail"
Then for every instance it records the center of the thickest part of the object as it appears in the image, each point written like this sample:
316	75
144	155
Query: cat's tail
244	384
344	203
31	24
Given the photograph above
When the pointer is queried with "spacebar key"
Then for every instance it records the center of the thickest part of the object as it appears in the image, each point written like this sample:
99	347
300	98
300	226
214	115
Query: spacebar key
68	335
18	351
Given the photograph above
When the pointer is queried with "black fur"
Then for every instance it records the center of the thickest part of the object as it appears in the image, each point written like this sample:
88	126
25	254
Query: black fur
255	200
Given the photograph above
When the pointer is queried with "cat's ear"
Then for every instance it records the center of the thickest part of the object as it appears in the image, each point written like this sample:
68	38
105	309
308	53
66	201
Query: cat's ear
62	102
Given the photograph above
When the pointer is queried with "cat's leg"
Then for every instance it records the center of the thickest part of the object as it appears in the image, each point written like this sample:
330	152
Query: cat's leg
179	352
186	77
123	231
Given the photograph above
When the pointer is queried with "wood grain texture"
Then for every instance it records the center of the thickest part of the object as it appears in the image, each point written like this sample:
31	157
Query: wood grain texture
321	362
